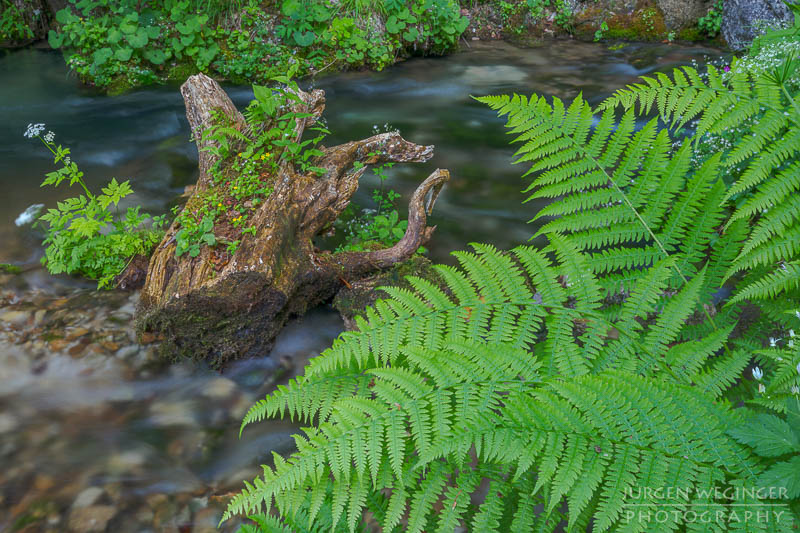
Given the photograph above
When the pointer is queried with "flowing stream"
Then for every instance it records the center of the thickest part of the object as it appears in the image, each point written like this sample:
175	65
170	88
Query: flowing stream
94	438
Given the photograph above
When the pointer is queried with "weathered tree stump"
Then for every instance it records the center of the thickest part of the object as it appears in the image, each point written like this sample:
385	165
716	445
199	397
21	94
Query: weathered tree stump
205	310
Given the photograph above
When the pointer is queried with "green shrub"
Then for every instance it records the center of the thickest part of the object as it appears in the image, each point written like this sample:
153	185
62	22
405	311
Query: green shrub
711	23
13	26
82	235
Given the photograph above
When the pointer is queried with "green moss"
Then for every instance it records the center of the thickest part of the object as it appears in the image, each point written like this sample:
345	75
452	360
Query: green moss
120	85
643	25
10	269
692	34
181	71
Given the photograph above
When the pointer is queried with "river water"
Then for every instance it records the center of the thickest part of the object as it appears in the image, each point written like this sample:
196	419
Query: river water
88	443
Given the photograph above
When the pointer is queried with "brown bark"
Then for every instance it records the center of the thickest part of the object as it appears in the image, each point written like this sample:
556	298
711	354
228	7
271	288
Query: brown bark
220	313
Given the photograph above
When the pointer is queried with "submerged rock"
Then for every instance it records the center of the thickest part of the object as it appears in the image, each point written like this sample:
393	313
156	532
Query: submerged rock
741	19
91	519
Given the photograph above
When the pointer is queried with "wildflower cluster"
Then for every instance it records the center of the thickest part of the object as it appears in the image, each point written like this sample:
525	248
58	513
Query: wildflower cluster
82	235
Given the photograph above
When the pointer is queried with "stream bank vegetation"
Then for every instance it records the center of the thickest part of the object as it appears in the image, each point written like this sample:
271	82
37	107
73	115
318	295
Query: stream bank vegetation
116	45
640	369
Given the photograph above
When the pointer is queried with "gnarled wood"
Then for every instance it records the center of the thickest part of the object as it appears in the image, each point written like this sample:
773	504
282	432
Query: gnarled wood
220	313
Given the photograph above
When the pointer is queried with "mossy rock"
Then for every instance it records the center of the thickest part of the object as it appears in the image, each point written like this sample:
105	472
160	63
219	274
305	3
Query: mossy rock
645	24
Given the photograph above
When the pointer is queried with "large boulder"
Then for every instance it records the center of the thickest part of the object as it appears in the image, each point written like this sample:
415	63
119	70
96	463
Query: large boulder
740	19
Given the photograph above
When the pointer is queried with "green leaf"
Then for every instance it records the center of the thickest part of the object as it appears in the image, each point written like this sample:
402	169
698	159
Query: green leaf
768	435
55	39
123	54
155	56
64	16
784	475
138	39
393	25
114	36
411	35
102	55
304	38
209	53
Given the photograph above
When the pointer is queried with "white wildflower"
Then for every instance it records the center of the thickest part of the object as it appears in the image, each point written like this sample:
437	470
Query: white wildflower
798	368
795	389
34	130
49	136
772	342
761	388
791	333
758	373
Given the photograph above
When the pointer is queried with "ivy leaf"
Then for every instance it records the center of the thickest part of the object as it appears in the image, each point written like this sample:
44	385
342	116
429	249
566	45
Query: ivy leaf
768	435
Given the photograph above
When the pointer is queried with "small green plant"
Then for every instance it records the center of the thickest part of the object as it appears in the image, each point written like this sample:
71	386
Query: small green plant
648	19
373	227
598	35
83	236
12	23
246	161
711	22
537	8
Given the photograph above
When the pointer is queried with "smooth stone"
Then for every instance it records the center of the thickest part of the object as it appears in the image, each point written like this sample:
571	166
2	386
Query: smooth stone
127	351
87	497
206	520
7	423
126	461
219	388
92	519
180	413
38	316
15	318
76	333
